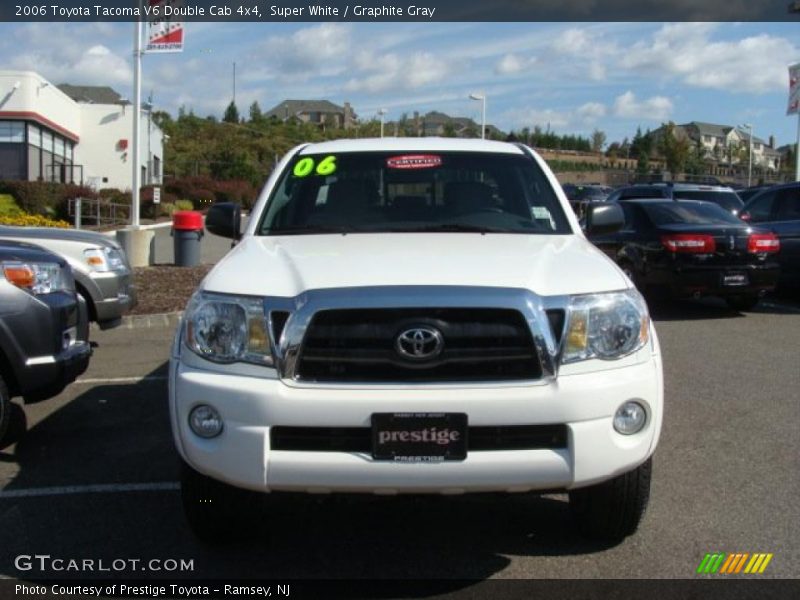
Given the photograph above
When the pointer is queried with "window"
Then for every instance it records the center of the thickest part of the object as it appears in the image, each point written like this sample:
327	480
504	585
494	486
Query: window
696	213
47	141
60	148
411	192
788	204
156	167
761	207
12	132
34	135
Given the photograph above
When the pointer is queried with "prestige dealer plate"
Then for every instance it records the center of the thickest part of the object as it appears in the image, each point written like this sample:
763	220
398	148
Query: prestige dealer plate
419	437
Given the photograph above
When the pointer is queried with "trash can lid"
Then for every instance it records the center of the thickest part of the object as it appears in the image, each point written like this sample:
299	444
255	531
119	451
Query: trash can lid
187	220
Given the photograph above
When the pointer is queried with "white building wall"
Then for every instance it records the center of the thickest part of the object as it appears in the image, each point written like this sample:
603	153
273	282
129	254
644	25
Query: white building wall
106	146
27	93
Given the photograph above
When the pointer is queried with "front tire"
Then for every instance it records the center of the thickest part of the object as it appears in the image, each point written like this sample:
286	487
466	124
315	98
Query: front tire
612	510
742	303
216	512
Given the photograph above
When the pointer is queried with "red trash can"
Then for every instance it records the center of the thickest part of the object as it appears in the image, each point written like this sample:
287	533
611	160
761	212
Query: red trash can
187	233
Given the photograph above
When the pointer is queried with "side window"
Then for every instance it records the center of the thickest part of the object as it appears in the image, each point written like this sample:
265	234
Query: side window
788	204
761	208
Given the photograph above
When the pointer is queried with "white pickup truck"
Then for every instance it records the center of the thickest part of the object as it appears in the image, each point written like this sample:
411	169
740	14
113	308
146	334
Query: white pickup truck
415	316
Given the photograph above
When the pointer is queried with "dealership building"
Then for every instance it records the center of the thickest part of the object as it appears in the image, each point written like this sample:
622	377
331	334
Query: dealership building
72	134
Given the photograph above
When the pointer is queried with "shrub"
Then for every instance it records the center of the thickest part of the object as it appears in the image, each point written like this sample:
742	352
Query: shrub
8	207
184	205
147	208
43	198
166	209
33	221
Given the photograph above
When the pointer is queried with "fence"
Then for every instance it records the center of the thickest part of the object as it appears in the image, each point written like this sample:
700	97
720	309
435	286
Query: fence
95	214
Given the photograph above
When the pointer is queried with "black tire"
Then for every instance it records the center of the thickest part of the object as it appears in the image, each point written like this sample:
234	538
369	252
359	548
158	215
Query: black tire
216	512
742	303
612	510
5	409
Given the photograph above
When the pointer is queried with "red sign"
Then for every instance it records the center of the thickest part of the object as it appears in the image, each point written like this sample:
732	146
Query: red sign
414	161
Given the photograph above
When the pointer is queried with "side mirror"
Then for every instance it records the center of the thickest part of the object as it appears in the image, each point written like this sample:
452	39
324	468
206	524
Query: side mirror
224	219
603	218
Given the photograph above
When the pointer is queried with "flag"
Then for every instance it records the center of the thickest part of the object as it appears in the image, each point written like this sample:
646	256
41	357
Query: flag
164	34
794	90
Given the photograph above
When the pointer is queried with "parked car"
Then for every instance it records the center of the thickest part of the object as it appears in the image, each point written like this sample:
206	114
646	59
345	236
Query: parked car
44	327
693	248
718	194
747	193
101	270
580	196
778	210
415	316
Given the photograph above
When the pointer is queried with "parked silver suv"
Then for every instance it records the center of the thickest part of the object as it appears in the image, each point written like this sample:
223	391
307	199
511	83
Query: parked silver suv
102	273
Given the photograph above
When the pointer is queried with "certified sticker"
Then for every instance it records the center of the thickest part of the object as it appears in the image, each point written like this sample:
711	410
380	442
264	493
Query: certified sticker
414	161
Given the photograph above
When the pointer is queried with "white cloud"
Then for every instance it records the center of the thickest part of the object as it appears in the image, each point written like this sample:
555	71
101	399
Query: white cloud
97	65
318	50
597	71
655	108
397	72
573	41
513	63
755	64
592	111
529	117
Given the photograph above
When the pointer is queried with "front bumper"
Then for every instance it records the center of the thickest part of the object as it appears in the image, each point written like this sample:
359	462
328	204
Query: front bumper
585	402
116	295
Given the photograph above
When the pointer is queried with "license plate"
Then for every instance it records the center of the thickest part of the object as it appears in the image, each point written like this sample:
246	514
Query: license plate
734	279
419	437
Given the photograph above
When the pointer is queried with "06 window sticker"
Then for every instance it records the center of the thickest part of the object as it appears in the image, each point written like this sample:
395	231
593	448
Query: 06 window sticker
308	166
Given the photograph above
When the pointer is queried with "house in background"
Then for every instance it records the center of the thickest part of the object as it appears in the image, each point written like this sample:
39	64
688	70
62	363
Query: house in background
319	112
723	143
72	134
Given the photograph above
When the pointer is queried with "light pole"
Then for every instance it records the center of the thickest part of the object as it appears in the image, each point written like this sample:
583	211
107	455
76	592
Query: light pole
382	113
482	98
749	127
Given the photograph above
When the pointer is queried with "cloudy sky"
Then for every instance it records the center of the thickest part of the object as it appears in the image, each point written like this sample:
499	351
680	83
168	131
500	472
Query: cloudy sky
574	77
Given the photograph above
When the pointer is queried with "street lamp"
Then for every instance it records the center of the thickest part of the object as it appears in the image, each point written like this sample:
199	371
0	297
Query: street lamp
482	98
749	127
382	113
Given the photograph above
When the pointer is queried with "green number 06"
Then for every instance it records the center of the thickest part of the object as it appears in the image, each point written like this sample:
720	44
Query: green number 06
305	167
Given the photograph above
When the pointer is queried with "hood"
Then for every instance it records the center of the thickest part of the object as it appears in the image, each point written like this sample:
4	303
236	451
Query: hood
22	251
55	233
289	265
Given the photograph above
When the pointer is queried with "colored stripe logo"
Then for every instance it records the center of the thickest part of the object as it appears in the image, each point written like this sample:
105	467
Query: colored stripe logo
733	564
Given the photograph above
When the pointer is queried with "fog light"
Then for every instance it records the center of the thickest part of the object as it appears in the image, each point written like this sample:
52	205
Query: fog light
205	421
630	418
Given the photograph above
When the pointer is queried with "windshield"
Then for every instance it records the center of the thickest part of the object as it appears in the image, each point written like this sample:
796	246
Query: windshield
368	192
698	213
727	200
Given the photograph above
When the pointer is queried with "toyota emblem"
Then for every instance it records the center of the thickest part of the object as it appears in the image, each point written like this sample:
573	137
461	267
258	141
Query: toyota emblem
420	343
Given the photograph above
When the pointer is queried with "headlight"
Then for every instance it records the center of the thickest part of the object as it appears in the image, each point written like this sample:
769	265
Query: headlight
104	259
606	326
39	278
227	329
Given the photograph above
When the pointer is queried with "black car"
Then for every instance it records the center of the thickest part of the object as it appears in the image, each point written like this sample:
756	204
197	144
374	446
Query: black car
693	248
580	196
747	193
44	326
777	209
718	194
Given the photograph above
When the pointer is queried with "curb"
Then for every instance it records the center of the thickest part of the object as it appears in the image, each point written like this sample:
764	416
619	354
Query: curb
168	320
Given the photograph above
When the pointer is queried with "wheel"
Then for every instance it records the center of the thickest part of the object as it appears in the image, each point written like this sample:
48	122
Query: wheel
742	303
216	512
5	408
612	510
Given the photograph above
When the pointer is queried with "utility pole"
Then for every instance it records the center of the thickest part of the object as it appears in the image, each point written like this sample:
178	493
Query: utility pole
234	82
137	109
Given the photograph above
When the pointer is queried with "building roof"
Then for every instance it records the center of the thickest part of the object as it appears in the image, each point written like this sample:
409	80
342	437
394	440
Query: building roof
91	94
709	128
290	108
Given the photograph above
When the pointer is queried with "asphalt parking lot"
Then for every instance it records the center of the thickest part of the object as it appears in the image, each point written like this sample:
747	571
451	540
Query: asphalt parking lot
95	477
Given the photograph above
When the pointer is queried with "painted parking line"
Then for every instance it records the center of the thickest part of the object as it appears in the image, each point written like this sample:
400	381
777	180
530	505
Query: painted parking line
113	380
103	488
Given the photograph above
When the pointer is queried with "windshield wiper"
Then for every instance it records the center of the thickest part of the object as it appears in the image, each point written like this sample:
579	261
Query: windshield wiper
459	227
312	229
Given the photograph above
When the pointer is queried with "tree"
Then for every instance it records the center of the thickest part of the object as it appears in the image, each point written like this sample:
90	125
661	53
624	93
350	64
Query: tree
231	113
449	130
256	116
674	147
598	140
